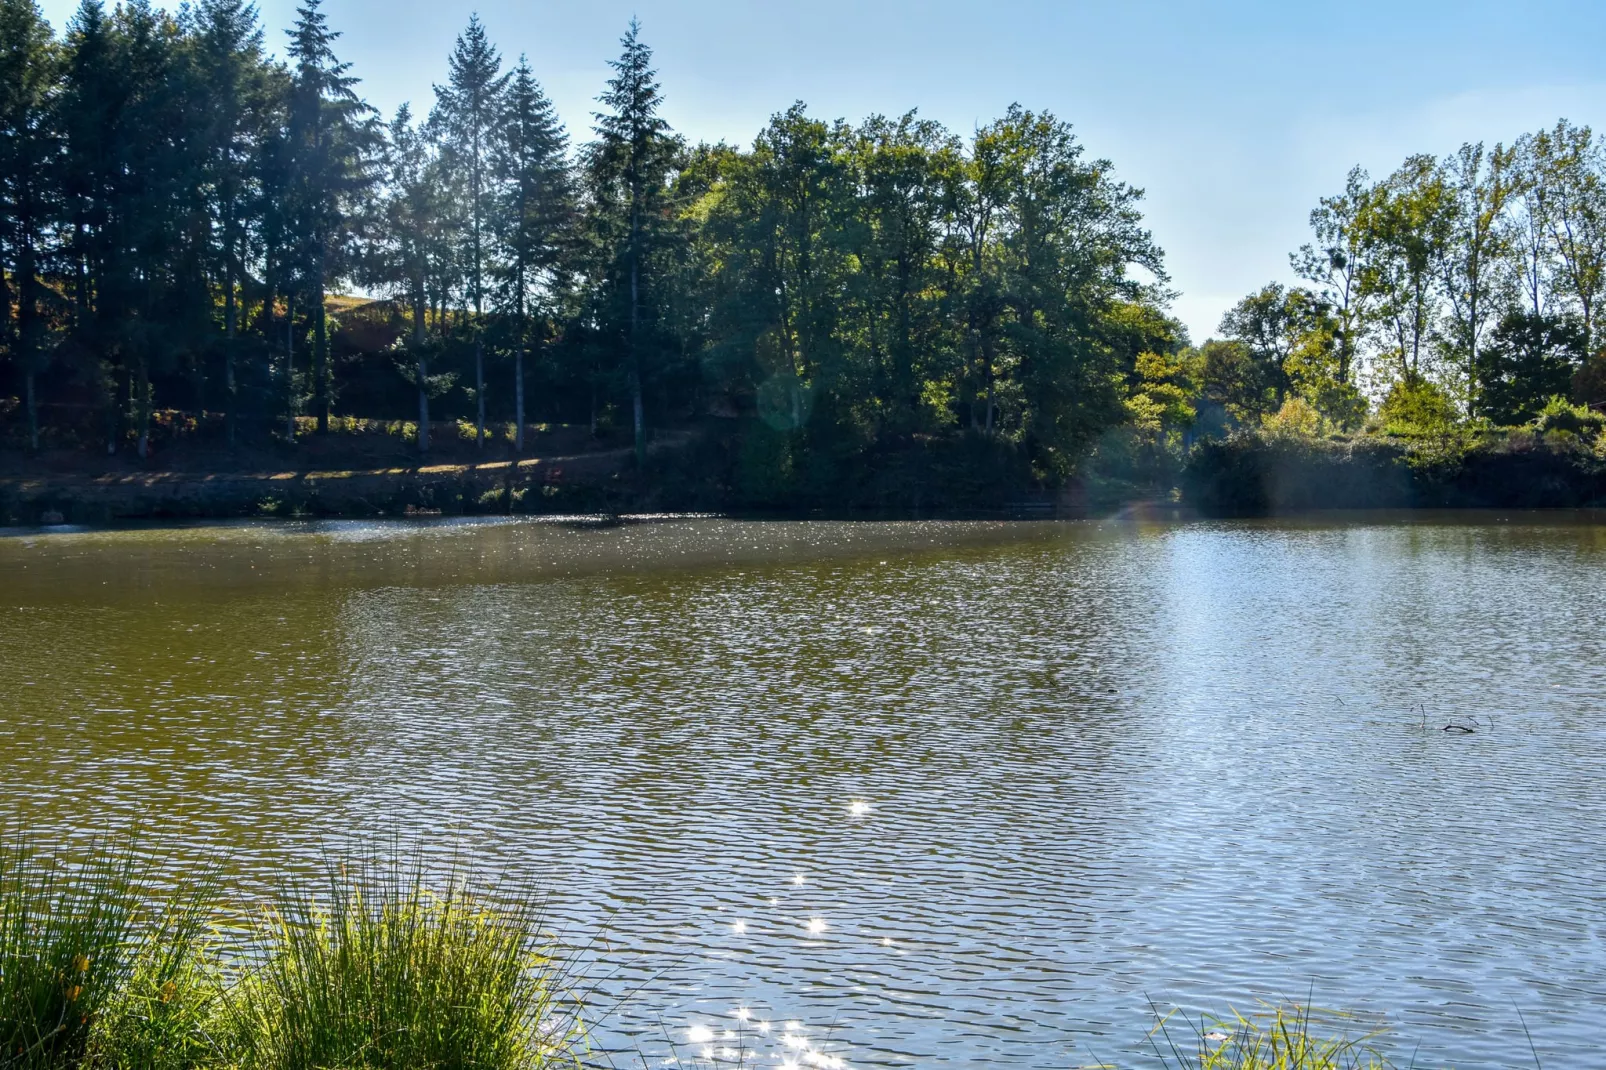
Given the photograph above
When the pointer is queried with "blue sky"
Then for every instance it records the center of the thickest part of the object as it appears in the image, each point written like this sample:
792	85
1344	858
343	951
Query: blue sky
1235	117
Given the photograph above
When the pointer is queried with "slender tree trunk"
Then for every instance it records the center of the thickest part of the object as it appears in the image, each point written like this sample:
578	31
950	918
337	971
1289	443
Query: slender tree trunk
479	387
423	371
142	410
229	388
320	347
33	412
635	362
27	329
518	368
290	367
114	417
518	399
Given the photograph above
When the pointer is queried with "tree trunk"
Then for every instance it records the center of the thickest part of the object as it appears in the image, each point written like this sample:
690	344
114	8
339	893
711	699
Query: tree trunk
33	412
518	399
635	363
423	371
114	420
320	347
229	390
423	405
142	410
479	388
290	367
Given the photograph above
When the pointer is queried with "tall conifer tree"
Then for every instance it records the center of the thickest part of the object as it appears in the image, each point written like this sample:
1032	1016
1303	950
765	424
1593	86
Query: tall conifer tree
629	165
467	111
28	146
332	138
534	217
231	68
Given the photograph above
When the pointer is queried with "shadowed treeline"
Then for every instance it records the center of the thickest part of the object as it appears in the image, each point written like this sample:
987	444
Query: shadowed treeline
210	253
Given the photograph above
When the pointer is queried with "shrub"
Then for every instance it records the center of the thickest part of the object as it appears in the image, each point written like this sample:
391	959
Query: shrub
89	971
1296	419
1416	407
381	974
1561	415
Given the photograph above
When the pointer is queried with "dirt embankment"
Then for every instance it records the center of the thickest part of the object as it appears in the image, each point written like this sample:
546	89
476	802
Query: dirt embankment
564	471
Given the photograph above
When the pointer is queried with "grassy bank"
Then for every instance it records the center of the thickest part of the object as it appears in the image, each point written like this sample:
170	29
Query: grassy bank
373	967
1255	474
372	970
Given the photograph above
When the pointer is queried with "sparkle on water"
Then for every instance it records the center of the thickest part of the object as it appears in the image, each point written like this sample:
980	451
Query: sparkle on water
1196	763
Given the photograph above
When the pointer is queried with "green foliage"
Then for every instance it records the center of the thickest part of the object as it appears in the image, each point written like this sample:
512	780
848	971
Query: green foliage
178	205
1297	418
97	966
162	1016
66	950
1232	380
1528	360
1418	407
1561	415
1281	1040
1589	382
380	973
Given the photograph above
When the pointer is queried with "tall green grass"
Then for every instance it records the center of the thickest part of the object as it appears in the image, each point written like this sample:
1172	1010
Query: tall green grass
162	1016
1283	1039
97	966
371	968
379	972
66	951
102	969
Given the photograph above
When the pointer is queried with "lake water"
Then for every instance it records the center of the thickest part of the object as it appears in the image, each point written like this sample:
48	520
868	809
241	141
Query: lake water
939	794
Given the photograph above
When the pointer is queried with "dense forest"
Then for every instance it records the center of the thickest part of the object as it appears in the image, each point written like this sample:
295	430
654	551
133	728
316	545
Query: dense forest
201	241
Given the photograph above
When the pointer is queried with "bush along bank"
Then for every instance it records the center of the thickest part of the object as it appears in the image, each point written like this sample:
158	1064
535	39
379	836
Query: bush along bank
101	968
1258	474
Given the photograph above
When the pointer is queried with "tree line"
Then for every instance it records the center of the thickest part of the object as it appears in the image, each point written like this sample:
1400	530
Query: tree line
1456	288
180	206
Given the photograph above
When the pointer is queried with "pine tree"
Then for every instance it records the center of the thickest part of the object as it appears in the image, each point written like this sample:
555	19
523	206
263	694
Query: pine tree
534	216
412	216
28	139
628	165
158	212
230	68
332	138
467	110
86	118
129	180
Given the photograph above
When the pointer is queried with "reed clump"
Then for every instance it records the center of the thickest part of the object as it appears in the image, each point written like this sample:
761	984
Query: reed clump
372	969
383	973
1282	1039
66	951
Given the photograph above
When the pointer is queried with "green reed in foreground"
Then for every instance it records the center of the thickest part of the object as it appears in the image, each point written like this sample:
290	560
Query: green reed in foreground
101	969
66	951
1282	1040
381	973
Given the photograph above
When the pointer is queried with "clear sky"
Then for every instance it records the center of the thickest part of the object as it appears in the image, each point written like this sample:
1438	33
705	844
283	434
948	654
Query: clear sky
1235	117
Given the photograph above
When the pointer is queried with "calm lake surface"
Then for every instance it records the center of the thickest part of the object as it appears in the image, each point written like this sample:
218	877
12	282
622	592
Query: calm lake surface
940	794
